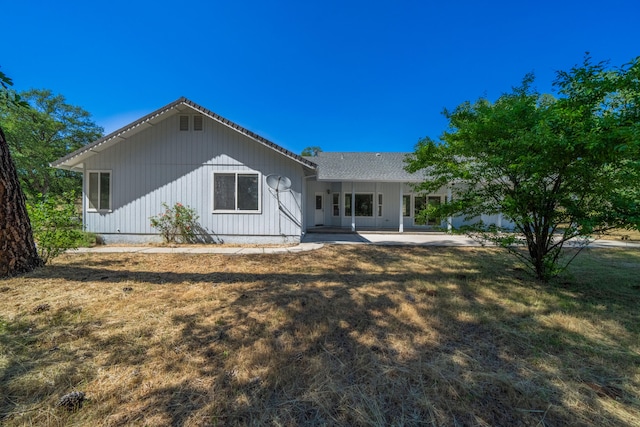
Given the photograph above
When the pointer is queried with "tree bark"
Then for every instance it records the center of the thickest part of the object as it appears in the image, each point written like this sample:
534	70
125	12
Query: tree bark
18	252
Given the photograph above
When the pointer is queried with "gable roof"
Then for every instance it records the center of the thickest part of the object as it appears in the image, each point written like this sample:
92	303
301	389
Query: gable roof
389	167
74	160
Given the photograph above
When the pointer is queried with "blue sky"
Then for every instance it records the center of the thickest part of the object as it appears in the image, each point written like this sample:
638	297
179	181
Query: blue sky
342	75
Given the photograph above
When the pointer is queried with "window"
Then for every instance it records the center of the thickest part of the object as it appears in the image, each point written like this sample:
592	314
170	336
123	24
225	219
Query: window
421	203
406	205
99	191
363	204
236	192
379	205
336	204
184	123
198	123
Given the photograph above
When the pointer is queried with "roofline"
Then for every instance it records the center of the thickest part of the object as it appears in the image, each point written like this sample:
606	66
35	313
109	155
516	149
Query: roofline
60	163
388	181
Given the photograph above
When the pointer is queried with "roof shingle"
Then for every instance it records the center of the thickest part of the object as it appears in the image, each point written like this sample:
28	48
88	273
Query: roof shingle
367	166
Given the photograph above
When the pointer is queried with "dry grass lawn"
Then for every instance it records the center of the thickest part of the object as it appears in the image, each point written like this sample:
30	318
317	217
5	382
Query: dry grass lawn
346	335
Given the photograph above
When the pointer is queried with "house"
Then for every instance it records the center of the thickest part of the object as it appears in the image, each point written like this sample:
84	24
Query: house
245	188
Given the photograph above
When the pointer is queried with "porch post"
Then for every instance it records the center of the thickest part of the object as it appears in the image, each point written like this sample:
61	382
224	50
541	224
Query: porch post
401	227
450	218
353	209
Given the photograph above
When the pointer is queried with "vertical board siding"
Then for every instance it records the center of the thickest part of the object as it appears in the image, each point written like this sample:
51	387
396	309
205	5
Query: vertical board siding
162	164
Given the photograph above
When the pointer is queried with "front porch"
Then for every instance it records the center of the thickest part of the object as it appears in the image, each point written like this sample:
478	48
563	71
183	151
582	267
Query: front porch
347	207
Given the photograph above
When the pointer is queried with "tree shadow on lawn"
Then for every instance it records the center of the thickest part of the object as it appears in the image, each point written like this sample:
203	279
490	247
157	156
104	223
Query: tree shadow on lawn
38	367
347	346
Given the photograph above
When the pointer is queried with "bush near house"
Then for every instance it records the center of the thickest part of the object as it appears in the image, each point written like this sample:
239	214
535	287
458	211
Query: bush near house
177	224
56	225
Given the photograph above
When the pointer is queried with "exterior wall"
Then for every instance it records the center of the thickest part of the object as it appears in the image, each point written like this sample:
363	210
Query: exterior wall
164	164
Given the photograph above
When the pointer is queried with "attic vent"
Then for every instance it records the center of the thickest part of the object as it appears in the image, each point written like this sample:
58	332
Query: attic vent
197	122
184	122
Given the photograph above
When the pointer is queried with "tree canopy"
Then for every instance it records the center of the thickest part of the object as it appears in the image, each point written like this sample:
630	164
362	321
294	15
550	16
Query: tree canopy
311	151
50	129
558	168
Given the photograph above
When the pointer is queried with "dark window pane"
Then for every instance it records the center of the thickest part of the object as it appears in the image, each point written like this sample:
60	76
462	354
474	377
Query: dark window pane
248	192
364	205
105	184
347	205
94	190
336	204
318	202
224	191
406	205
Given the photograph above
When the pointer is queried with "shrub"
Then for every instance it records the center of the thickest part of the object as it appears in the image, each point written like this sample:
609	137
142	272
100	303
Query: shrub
56	225
177	223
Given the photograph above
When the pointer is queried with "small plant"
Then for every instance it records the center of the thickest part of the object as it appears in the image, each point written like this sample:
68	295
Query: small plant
177	223
56	226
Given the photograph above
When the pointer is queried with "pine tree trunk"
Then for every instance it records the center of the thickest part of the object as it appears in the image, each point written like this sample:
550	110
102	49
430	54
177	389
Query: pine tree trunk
17	248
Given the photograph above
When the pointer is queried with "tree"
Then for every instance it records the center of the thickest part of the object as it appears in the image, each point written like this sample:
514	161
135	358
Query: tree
311	151
17	249
558	168
39	135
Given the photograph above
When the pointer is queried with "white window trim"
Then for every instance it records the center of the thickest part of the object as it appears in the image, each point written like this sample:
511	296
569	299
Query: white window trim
333	205
87	175
233	211
373	201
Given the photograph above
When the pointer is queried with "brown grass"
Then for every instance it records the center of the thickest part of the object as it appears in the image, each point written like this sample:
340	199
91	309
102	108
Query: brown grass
630	235
347	335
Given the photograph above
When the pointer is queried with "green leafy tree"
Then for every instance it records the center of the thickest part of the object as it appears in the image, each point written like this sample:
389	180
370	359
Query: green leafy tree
17	248
48	130
311	151
558	168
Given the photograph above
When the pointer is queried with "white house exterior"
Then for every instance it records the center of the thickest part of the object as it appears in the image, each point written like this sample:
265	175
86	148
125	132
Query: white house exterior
184	153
